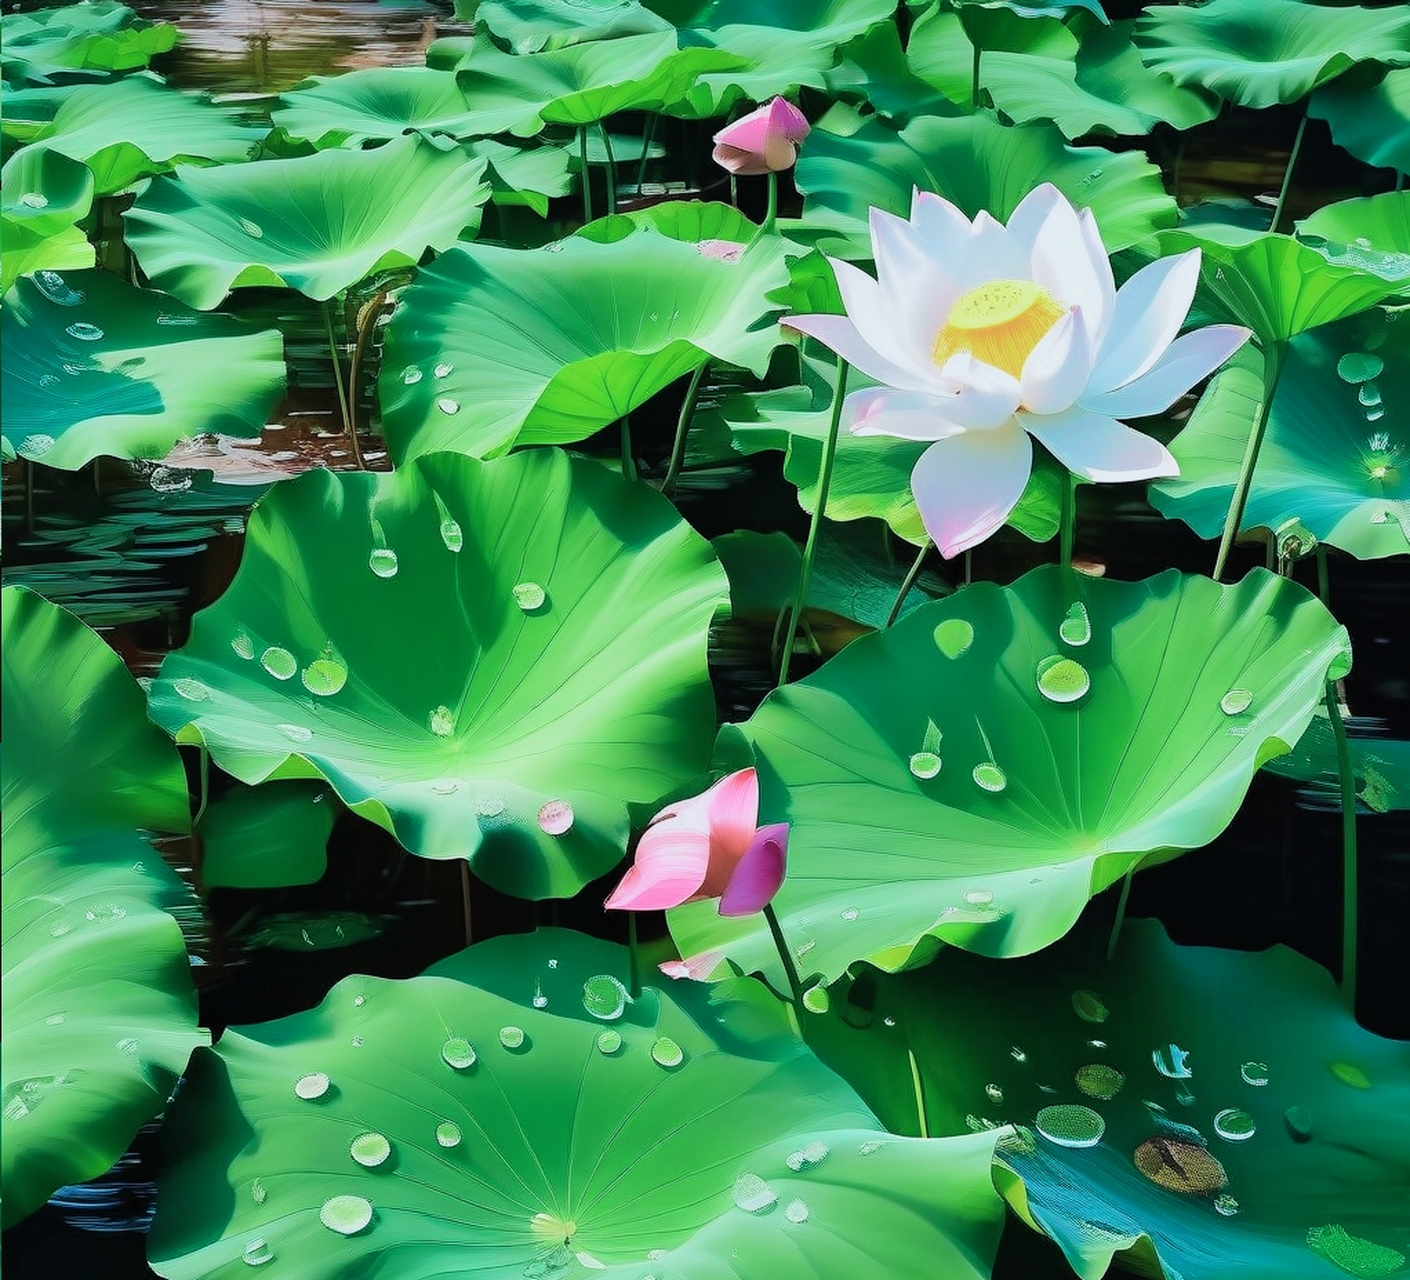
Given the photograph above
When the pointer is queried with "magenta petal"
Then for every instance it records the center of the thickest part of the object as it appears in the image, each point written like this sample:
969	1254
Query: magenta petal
696	968
759	874
672	861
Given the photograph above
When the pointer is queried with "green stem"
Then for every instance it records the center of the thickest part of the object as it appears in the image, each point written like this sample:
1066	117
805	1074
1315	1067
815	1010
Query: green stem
771	213
583	167
1067	528
1272	370
1324	591
918	1086
810	548
628	463
465	900
974	81
1120	914
645	152
611	167
908	582
789	969
1288	173
337	368
205	786
634	955
692	394
1348	848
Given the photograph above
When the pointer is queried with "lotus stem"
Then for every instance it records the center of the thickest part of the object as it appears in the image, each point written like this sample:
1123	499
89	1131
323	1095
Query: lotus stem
1288	173
974	80
810	548
366	322
1120	920
1272	370
28	471
465	900
634	956
908	582
692	394
1067	526
205	769
771	213
789	968
918	1087
1324	590
611	167
348	425
583	168
1348	848
628	462
645	152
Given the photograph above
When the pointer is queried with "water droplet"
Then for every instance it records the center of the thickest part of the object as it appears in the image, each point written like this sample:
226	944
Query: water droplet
816	999
609	1042
452	534
1070	1126
1369	394
411	375
252	229
850	913
1236	702
1375	415
1226	1205
1062	679
58	930
993	1093
54	287
296	732
540	1001
191	690
605	997
888	1021
171	320
796	1212
347	1215
1350	1073
37	445
1234	1125
444	369
1175	1066
925	764
257	1192
1359	366
370	1149
869	1146
312	1086
127	1045
279	663
1097	1080
442	721
1254	1073
383	562
324	677
490	804
752	1194
954	636
666	1052
1017	1054
458	1053
1089	1006
258	1252
1183	1167
105	911
447	405
54	1020
529	596
244	647
1353	1254
989	777
808	1156
1184	1095
1076	628
556	818
1299	1123
448	1133
512	1037
84	332
34	200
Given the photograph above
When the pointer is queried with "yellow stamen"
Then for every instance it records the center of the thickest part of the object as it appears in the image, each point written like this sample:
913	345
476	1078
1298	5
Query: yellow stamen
999	323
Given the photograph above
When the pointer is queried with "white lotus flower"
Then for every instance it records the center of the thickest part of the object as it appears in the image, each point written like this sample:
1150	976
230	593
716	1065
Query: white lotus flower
984	335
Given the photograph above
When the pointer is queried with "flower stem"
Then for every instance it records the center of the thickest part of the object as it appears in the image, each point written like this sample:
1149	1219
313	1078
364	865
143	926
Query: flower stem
789	969
205	761
1067	526
1348	848
628	463
974	80
692	394
465	900
771	214
908	582
337	368
1272	370
583	173
810	548
634	954
1288	173
1324	590
611	167
645	152
1120	914
366	322
918	1086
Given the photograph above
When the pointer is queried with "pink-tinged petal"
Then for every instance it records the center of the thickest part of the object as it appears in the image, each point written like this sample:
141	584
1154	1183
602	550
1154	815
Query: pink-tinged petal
981	396
1062	265
839	334
734	815
919	283
1029	215
764	141
697	968
966	486
1099	448
671	865
786	119
749	133
742	163
904	415
1150	308
759	874
1057	369
1186	361
1100	319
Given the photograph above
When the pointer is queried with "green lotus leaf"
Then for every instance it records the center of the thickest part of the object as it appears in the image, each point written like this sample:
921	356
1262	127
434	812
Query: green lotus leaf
978	164
1372	233
874	71
1083	733
941	46
1372	123
80	41
1336	455
446	1124
1280	1153
494	347
1275	285
377	104
100	1014
583	83
303	931
531	26
317	223
528	176
45	194
1259	53
266	837
1381	767
94	367
489	660
137	127
1038	8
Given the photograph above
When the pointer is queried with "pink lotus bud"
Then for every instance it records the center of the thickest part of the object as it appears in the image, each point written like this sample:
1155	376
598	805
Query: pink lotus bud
764	141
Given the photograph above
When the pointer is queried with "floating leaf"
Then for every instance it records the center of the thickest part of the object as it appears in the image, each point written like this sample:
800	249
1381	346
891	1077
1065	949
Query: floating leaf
467	703
100	1015
1114	758
531	26
663	1145
1371	233
45	194
266	837
94	367
1372	123
317	223
80	41
376	104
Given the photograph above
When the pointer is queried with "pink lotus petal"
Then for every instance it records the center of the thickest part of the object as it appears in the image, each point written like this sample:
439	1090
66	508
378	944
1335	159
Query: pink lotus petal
759	873
966	486
1099	448
697	968
734	814
671	864
764	141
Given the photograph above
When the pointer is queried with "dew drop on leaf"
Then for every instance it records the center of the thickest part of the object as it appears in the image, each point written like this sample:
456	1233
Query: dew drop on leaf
808	1156
609	1042
1298	1121
556	818
311	1086
925	764
448	406
604	997
989	777
257	1253
666	1052
954	636
1236	702
448	1133
452	534
993	1093
257	1192
296	732
1089	1006
1359	366
1062	679
84	332
243	646
347	1215
1097	1080
1234	1125
252	229
458	1053
411	375
529	596
1076	628
752	1194
796	1212
442	721
512	1037
540	1001
1226	1206
279	663
1070	1126
1254	1073
370	1149
324	677
444	369
191	690
383	562
816	999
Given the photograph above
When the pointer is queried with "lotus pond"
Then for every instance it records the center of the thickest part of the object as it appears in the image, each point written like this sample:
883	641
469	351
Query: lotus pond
706	640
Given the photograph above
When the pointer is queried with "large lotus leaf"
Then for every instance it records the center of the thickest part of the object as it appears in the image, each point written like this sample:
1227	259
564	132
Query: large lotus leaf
266	837
80	40
493	347
873	70
530	26
1372	232
137	127
100	1014
376	104
497	658
451	1124
316	223
1258	53
525	175
942	43
1336	456
1280	1153
1044	798
1372	123
977	163
45	194
1275	285
94	367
